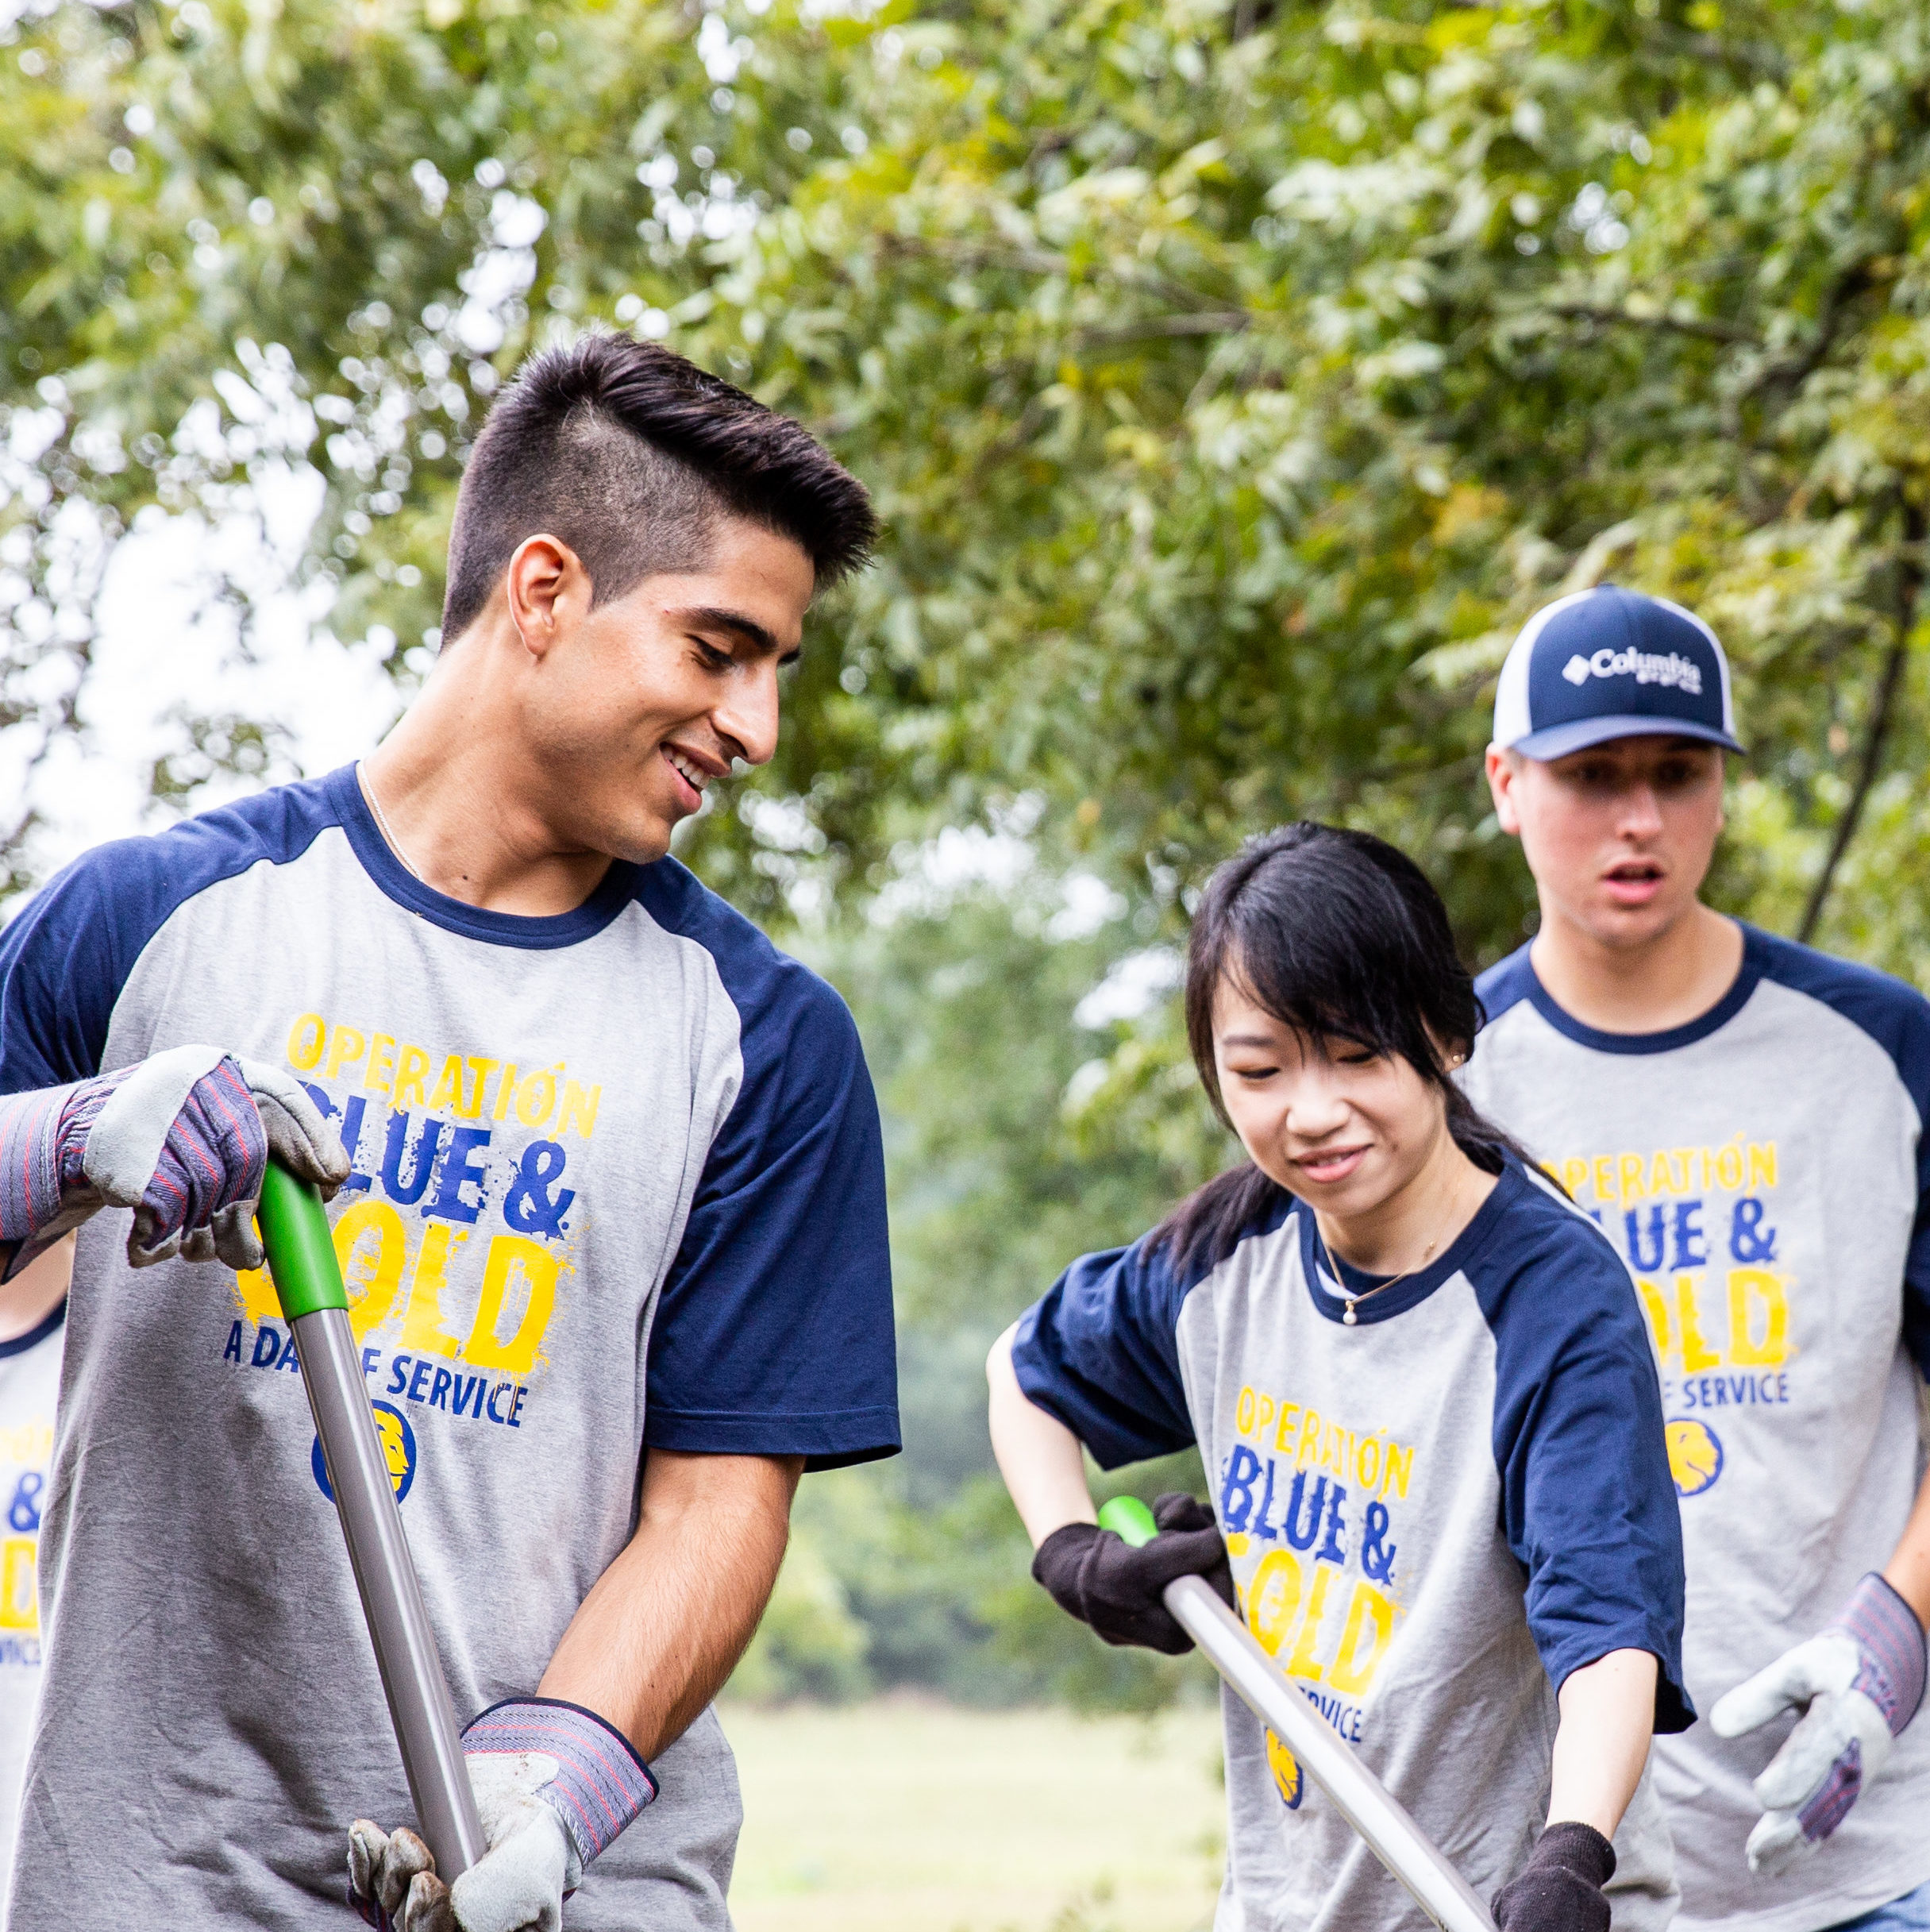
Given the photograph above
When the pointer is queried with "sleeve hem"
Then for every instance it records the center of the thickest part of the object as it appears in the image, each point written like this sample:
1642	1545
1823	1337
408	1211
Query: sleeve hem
825	1441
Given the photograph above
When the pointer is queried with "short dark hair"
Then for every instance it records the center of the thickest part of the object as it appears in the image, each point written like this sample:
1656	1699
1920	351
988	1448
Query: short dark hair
630	454
1339	935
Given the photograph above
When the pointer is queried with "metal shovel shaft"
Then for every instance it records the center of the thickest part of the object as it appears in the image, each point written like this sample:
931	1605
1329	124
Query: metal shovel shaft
1322	1754
295	1230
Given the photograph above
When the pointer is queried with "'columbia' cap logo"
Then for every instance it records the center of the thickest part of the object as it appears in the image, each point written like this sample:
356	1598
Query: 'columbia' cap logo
1674	671
1611	663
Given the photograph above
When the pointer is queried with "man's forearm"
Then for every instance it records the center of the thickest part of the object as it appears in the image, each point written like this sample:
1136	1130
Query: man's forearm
665	1624
1908	1571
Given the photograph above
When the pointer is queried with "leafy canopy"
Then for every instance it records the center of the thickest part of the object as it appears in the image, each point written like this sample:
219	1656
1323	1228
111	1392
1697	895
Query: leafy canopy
1234	377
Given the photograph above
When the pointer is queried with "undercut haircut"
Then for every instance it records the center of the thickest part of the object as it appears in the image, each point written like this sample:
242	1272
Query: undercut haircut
633	456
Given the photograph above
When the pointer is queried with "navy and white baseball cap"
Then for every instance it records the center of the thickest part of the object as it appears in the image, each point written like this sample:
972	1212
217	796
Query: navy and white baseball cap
1612	663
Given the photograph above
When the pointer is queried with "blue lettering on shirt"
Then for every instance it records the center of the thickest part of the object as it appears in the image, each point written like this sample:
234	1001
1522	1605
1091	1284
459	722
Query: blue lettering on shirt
422	1158
1689	1252
458	1168
529	1207
357	1183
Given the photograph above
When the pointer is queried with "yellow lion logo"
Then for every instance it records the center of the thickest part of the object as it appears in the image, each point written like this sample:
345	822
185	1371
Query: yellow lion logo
1695	1456
1286	1769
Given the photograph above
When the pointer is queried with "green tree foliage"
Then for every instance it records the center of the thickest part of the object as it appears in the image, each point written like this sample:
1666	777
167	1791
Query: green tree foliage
1237	377
914	1571
1234	377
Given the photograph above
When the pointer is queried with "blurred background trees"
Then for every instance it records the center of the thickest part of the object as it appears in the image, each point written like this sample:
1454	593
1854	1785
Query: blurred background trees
1233	378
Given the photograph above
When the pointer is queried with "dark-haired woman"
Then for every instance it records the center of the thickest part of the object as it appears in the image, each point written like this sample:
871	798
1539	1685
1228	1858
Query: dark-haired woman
1428	1412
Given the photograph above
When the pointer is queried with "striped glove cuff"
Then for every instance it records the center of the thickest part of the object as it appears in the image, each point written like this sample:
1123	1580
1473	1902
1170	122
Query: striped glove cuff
31	1149
1891	1643
600	1785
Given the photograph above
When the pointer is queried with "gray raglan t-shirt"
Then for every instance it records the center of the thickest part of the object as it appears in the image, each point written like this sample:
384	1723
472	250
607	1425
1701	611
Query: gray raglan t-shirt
1432	1517
618	1186
1763	1173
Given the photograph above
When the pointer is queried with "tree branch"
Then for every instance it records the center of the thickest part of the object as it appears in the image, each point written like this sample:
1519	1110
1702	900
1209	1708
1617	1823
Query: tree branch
977	254
1208	322
1703	329
1909	590
1790	373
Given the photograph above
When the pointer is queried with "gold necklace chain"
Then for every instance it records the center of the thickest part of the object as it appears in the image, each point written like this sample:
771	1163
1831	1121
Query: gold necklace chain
1392	1280
387	831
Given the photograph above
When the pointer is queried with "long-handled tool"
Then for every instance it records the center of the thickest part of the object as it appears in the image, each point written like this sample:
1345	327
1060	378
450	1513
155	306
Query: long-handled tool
1322	1753
295	1230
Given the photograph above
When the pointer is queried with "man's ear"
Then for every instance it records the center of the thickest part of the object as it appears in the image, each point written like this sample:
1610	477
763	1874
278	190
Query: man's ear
548	591
1504	773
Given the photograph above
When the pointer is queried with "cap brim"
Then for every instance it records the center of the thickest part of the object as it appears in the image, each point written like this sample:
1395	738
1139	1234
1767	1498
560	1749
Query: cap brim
1558	740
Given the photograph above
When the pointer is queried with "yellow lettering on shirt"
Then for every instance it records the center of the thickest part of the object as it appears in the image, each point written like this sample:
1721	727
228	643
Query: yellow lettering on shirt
509	1255
1747	1286
421	1328
304	1042
1657	1311
344	1044
20	1605
1271	1598
381	1064
412	1065
579	1108
1696	1354
1304	1662
370	1246
446	1095
1352	1667
482	1069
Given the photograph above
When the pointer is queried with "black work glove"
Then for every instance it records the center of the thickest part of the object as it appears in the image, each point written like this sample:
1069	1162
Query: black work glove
1559	1888
1117	1589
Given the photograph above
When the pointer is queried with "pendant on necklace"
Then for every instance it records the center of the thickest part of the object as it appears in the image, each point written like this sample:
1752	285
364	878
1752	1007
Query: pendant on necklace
1349	1317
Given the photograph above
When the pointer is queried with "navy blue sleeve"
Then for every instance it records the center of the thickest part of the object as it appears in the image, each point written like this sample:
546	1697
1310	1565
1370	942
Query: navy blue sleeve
773	1335
65	958
1588	1504
1897	1017
1506	983
1101	1352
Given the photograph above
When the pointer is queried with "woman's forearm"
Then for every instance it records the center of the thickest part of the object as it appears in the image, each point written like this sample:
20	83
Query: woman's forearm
1608	1717
1038	1456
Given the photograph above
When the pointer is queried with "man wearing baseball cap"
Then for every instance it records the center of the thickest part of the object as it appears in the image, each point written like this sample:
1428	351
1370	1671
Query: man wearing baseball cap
1744	1118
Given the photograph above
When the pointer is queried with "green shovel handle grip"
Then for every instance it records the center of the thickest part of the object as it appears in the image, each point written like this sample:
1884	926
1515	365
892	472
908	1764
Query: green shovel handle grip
1130	1520
295	1230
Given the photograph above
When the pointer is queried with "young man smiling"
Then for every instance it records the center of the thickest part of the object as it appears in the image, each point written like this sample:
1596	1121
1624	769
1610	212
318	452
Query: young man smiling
1745	1118
609	1193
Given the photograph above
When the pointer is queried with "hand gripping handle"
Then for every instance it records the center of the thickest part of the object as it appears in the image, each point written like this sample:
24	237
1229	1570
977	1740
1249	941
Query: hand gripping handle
1322	1753
301	1251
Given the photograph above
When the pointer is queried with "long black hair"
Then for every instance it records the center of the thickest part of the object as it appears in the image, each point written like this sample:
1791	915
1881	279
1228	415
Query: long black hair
1340	936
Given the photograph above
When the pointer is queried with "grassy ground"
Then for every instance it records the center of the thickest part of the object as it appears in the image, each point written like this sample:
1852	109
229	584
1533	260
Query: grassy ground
908	1816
